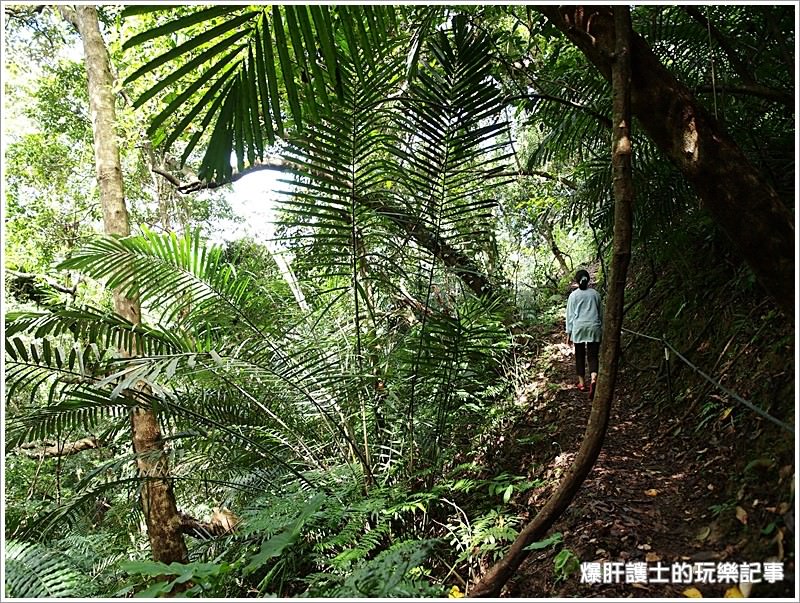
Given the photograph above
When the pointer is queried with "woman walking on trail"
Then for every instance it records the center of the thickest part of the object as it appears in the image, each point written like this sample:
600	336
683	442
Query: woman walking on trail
584	328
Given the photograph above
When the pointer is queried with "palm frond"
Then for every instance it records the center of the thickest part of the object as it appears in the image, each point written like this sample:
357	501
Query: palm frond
231	62
184	277
32	364
454	120
33	571
86	323
79	411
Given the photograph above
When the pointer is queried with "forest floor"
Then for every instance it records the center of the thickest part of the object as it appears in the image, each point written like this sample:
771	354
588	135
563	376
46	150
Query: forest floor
660	493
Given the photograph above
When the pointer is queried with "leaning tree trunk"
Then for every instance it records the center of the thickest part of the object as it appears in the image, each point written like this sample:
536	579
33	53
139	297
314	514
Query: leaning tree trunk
557	253
491	583
737	196
453	258
158	500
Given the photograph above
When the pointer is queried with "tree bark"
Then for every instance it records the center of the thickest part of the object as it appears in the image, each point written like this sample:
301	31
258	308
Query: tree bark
741	201
493	581
547	231
158	500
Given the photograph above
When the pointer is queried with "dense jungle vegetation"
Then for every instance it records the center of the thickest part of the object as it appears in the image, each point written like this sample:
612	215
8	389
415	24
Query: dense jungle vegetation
369	394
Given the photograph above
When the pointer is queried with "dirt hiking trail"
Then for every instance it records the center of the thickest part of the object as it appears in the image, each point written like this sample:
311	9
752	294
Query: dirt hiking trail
660	493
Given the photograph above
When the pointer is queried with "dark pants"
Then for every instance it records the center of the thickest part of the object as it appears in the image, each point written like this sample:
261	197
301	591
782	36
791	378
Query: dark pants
581	349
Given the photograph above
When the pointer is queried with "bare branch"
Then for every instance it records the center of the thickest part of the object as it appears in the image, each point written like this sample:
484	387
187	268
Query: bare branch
757	90
54	449
199	185
26	276
170	178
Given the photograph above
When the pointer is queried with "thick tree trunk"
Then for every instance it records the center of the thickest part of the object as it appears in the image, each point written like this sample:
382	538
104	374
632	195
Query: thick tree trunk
491	584
737	196
158	500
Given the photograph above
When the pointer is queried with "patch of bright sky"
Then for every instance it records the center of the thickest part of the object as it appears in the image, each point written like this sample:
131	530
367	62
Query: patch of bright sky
253	200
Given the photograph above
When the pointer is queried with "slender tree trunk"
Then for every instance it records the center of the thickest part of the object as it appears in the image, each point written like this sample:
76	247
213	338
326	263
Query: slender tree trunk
158	500
737	196
491	584
557	253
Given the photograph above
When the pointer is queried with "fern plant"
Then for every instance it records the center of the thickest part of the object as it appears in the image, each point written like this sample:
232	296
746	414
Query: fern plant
257	397
32	571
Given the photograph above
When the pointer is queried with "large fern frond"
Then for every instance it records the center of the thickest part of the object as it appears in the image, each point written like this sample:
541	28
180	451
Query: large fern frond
454	122
450	158
173	274
33	571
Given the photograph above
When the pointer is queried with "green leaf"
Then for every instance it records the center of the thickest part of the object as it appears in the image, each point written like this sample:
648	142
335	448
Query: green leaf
286	66
212	110
22	350
420	34
253	92
189	45
318	79
507	493
352	43
318	14
300	56
565	564
543	544
190	90
179	23
190	66
278	543
32	571
239	117
263	87
169	372
155	590
271	75
217	157
147	568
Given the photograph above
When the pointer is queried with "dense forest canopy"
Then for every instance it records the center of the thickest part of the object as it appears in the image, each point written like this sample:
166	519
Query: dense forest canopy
370	394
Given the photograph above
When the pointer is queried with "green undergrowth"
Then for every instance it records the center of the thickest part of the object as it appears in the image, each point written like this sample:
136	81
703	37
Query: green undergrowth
419	537
389	542
415	536
694	293
720	319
